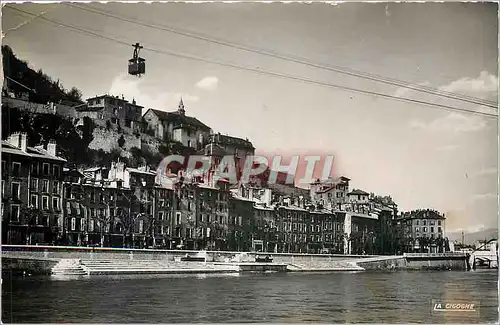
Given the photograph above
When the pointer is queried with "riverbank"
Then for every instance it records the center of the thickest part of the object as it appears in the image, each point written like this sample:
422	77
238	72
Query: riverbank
88	261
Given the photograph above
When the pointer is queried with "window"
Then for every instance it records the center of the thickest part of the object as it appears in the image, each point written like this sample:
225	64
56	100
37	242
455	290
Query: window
47	221
424	229
432	229
4	167
3	188
92	212
417	229
16	191
55	187
92	197
440	230
34	184
439	223
34	201
45	202
141	226
45	186
16	169
161	202
178	218
425	222
14	212
55	203
91	225
56	170
417	222
82	224
34	168
162	231
160	215
46	168
73	223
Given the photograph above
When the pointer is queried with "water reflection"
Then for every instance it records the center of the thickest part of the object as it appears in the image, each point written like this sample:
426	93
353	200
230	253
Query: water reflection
396	297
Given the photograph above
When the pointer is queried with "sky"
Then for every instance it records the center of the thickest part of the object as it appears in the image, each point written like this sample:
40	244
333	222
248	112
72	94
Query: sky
424	157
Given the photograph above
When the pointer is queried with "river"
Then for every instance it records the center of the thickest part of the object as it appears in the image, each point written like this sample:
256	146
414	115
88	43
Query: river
364	297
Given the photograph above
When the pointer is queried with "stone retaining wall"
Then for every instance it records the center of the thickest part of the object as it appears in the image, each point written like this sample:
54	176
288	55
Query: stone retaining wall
59	252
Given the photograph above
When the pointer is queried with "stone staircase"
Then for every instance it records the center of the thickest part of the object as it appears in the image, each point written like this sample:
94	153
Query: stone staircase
317	266
153	267
69	267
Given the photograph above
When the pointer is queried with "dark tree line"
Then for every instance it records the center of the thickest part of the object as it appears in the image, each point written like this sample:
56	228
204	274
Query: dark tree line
41	88
41	128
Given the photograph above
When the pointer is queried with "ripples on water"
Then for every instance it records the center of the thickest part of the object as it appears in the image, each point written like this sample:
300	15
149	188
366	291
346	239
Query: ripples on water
394	297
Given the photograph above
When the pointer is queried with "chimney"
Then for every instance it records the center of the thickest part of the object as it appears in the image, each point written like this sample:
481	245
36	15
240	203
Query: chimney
14	139
23	141
51	148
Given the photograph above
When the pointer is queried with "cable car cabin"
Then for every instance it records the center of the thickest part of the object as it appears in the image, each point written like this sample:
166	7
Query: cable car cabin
136	66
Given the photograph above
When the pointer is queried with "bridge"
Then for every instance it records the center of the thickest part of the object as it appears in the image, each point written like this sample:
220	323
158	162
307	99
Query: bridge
485	257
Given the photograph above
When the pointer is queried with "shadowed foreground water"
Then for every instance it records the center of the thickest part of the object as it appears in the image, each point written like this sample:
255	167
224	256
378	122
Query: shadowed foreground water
393	297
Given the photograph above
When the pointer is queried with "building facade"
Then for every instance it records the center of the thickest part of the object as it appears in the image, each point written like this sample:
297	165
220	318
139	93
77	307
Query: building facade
177	126
119	112
32	180
423	230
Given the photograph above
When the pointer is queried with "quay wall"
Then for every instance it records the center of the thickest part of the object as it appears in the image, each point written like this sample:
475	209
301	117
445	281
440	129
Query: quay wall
438	261
92	253
395	263
26	266
21	256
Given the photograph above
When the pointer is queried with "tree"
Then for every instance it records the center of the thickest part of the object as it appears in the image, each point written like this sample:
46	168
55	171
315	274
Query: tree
74	93
30	217
121	141
128	221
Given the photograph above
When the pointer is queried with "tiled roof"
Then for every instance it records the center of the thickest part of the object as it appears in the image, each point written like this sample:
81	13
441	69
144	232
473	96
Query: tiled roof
30	152
423	214
229	140
358	192
179	119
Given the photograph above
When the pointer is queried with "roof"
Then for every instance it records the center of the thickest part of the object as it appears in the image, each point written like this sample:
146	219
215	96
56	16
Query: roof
229	140
358	192
423	214
258	206
328	189
93	169
241	198
178	118
138	171
30	152
292	207
115	97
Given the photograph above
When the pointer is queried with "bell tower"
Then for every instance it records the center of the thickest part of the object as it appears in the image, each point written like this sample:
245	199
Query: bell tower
181	109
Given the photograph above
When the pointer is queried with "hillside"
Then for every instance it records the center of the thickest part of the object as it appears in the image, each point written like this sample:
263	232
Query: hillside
472	237
36	86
